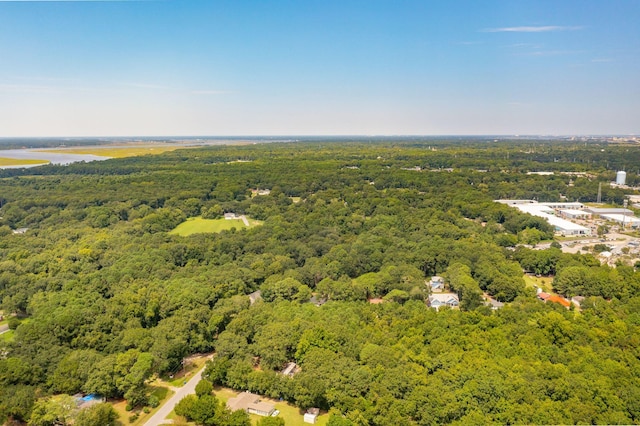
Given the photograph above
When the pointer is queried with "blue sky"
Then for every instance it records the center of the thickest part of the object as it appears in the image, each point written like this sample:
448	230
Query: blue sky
307	67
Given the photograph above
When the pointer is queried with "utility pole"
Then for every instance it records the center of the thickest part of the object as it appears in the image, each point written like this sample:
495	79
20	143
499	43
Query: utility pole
599	192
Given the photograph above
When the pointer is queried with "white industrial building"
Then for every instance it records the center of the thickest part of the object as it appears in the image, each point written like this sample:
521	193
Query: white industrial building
566	227
560	205
624	220
604	211
564	205
547	211
514	202
574	214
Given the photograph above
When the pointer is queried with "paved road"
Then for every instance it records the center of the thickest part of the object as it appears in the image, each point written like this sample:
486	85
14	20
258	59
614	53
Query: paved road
159	417
244	220
4	328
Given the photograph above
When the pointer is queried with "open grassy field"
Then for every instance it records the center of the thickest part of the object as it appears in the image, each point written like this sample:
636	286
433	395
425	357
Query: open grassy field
543	282
20	162
292	415
198	225
117	151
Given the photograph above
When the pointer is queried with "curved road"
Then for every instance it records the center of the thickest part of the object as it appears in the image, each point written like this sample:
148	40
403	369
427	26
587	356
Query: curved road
159	417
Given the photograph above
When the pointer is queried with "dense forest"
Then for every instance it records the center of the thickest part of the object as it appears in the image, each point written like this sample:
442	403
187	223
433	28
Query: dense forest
101	297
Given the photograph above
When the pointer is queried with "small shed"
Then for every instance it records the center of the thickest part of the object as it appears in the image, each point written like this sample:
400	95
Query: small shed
311	416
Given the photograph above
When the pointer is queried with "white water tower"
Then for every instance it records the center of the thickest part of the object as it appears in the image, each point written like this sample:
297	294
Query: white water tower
621	178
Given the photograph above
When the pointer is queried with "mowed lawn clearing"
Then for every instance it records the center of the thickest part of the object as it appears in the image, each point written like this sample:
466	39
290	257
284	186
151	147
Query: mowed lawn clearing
545	283
198	225
291	415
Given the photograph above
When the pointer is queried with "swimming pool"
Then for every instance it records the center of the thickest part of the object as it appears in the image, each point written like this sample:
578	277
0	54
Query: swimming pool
90	397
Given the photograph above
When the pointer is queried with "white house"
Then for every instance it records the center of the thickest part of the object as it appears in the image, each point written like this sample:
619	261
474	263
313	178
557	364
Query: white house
436	284
443	299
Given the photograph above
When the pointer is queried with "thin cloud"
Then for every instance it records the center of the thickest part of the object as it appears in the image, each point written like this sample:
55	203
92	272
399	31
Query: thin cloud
145	86
553	52
209	92
531	29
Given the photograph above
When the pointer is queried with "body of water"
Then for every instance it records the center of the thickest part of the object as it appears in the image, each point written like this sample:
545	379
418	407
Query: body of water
52	157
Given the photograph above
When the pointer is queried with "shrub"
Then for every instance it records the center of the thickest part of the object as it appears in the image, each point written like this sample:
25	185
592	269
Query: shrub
13	323
153	401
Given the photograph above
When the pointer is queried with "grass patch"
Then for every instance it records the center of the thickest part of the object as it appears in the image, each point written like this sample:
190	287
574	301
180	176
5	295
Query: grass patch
159	392
123	414
20	162
184	375
198	225
7	336
117	152
194	364
545	283
291	415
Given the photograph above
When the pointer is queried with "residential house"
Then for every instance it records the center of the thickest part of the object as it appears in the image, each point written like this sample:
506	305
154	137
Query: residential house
443	299
493	303
577	300
560	300
543	296
291	369
250	403
436	284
